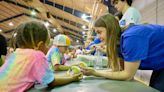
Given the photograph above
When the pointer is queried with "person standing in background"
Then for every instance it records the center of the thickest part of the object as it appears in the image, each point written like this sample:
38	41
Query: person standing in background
3	49
130	14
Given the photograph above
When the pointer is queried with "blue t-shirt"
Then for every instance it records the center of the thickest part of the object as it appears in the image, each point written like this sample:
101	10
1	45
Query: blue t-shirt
97	40
144	43
90	44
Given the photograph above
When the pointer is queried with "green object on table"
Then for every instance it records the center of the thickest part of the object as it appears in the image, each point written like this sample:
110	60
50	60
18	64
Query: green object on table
90	60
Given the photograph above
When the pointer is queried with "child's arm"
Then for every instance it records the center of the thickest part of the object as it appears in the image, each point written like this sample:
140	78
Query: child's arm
61	80
59	67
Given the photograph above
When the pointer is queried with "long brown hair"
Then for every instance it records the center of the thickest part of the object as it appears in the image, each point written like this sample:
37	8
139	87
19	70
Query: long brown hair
113	29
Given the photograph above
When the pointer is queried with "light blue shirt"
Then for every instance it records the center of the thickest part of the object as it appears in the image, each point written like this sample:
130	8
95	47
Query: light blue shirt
132	15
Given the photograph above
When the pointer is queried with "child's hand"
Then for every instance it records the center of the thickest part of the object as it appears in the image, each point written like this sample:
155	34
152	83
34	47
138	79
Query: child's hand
88	71
77	77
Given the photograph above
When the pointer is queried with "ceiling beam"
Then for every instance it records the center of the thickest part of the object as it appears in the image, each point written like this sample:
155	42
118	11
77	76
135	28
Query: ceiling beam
21	5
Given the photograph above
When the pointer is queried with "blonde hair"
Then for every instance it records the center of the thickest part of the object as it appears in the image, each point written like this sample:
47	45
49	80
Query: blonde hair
113	29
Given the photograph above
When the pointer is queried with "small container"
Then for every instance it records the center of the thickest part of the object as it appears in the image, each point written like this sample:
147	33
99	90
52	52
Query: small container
98	62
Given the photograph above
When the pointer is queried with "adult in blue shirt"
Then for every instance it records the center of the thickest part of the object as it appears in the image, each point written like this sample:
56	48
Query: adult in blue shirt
142	47
91	46
95	41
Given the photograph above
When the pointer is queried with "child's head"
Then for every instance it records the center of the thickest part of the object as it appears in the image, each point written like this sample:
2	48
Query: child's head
108	29
120	4
33	35
62	42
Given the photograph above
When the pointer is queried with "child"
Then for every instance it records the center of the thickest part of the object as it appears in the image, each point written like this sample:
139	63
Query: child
28	65
142	46
55	55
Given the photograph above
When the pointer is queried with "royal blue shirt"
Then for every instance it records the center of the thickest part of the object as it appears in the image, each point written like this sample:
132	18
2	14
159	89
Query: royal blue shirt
97	40
88	47
144	43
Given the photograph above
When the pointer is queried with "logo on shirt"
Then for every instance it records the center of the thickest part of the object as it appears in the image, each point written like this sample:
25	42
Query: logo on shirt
122	23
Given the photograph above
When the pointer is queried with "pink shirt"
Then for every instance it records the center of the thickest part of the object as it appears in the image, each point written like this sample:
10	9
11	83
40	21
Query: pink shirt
24	68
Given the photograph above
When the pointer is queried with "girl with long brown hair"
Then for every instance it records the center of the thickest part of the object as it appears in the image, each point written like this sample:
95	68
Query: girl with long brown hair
142	46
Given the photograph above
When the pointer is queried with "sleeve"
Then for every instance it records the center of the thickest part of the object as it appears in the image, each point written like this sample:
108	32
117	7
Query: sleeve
3	46
97	40
41	71
134	48
132	17
55	58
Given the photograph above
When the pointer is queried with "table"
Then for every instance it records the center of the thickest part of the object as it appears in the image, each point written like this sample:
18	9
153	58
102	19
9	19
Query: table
98	84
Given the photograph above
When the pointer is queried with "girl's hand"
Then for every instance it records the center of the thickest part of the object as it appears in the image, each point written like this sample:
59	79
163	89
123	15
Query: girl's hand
88	71
77	77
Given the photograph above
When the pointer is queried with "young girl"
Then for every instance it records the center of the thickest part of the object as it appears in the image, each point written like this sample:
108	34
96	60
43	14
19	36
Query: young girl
28	65
55	55
142	46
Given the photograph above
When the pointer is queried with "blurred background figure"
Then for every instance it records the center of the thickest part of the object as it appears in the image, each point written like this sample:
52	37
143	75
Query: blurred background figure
3	49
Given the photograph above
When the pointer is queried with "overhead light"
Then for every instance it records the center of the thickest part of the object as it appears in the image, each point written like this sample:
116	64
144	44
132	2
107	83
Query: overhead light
77	41
84	27
0	30
54	30
84	16
33	12
15	34
83	32
11	24
46	24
